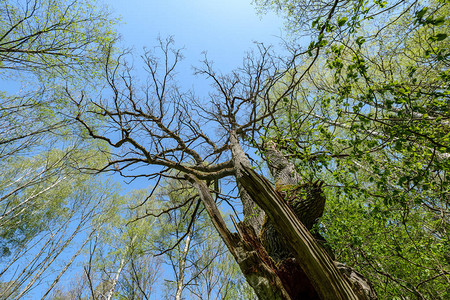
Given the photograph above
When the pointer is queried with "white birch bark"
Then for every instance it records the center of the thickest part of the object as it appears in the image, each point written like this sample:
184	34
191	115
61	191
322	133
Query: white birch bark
182	268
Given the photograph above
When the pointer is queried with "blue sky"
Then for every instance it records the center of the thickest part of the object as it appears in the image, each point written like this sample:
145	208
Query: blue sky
225	29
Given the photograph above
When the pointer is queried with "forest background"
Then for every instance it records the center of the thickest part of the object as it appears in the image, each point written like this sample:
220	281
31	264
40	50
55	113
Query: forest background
97	139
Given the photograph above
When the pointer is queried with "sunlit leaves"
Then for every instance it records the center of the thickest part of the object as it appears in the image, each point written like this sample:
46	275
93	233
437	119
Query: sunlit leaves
373	123
53	38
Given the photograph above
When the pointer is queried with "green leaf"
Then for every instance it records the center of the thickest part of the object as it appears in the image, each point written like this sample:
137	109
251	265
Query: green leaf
436	22
421	13
438	37
342	21
360	40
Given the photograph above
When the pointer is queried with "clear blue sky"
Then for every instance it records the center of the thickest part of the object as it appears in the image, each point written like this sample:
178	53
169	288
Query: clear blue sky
226	29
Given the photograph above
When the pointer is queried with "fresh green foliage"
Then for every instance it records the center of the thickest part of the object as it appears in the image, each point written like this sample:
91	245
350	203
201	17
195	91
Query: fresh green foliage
53	38
372	120
49	196
36	193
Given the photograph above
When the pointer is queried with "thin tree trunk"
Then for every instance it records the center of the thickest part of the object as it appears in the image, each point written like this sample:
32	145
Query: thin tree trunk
119	271
116	279
182	268
61	273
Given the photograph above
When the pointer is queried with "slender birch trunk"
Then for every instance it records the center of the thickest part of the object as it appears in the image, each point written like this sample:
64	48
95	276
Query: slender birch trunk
110	292
182	268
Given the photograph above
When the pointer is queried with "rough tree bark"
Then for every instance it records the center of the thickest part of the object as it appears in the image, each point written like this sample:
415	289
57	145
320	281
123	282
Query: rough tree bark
271	281
253	260
253	214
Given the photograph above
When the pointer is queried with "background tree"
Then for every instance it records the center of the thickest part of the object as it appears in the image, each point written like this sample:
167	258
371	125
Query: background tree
121	263
131	255
34	239
52	37
200	263
47	205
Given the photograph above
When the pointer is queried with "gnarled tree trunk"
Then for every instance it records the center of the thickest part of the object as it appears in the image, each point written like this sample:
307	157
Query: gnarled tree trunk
285	174
253	260
318	266
311	273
